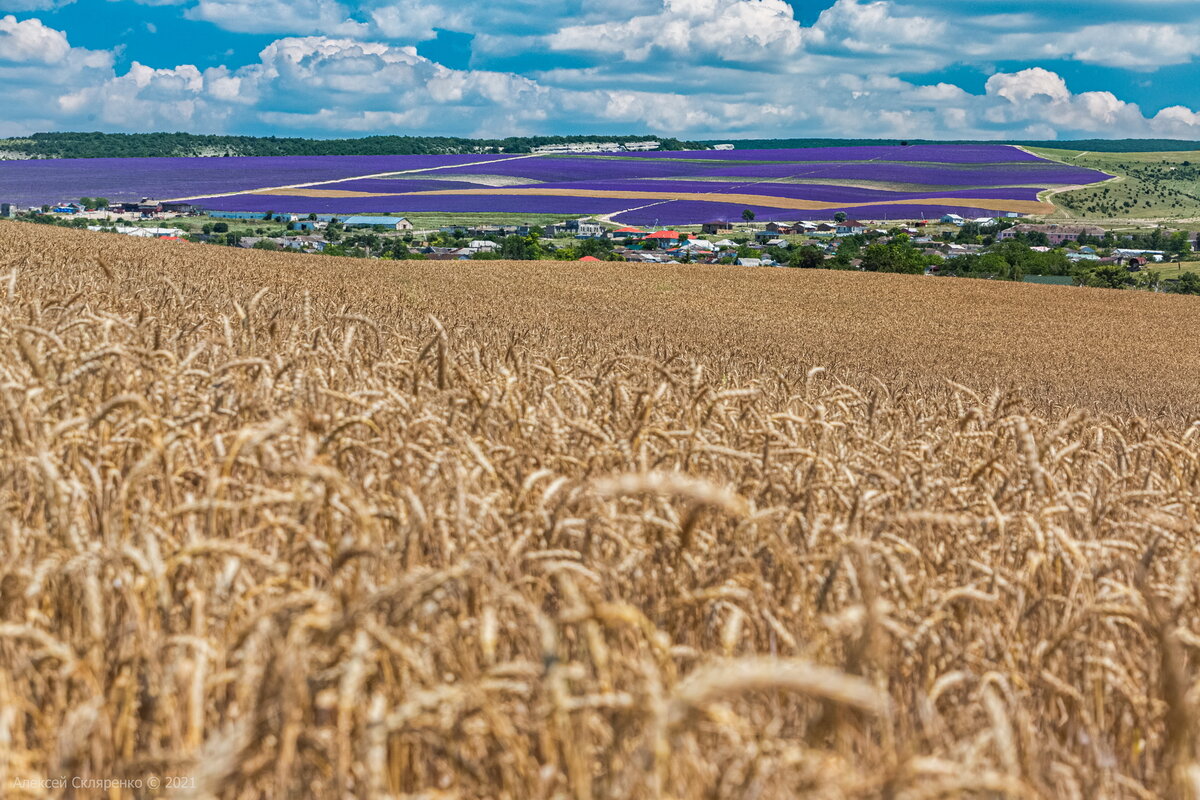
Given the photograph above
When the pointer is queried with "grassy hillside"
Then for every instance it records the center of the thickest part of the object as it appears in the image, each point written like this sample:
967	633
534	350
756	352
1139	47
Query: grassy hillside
288	526
1149	186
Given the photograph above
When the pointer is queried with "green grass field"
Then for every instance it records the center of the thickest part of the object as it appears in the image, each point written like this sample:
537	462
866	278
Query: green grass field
1149	186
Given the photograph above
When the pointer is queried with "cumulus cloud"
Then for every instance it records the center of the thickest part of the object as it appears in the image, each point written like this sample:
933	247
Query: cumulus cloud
30	41
1040	98
736	30
398	20
875	27
33	5
1133	46
677	67
279	16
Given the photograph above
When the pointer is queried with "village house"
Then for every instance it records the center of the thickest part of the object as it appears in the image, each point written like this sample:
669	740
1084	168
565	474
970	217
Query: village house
851	227
304	243
627	233
1055	234
392	223
663	238
716	228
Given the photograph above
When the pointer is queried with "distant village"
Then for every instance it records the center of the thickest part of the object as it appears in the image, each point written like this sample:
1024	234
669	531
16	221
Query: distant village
838	242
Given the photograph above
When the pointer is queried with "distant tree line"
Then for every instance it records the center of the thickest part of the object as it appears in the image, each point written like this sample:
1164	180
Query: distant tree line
1093	145
150	145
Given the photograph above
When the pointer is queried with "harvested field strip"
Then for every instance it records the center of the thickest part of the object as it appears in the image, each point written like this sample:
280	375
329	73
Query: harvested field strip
390	173
767	201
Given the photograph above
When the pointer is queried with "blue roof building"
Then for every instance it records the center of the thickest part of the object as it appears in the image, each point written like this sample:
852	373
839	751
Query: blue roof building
395	223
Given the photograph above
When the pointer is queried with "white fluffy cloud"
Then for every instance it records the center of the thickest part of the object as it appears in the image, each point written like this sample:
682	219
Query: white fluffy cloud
736	30
400	20
875	27
31	42
677	67
1041	100
279	16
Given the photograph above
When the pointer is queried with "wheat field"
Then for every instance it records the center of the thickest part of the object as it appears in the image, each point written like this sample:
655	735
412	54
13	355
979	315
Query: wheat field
289	526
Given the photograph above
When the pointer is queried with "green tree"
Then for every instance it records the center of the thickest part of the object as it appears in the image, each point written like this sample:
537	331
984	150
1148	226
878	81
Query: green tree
221	227
1104	276
1178	244
598	248
994	265
748	215
101	202
897	257
840	217
86	202
807	257
520	248
1189	283
266	244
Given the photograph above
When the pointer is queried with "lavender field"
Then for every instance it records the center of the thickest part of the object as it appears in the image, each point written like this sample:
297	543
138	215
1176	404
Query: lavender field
672	188
60	180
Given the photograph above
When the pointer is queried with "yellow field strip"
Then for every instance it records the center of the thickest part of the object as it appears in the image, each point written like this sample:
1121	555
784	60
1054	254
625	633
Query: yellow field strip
766	201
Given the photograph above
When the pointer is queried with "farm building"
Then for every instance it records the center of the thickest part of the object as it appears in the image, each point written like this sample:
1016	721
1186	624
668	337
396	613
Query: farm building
627	233
236	214
1056	234
664	238
394	223
584	228
716	228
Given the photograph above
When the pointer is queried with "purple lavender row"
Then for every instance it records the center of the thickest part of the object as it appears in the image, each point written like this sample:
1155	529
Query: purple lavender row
409	205
1041	174
943	154
683	212
551	169
800	191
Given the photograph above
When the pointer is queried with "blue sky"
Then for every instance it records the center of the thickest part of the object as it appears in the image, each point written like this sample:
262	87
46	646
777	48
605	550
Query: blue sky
697	68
